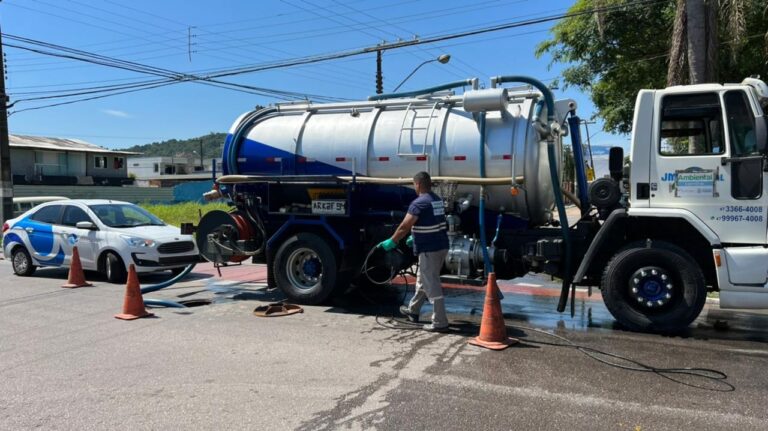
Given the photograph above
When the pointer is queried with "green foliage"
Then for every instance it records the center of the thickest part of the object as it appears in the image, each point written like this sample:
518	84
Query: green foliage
569	166
187	212
614	55
213	143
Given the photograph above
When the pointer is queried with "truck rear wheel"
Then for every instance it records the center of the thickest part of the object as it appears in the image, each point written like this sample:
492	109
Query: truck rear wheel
657	288
305	268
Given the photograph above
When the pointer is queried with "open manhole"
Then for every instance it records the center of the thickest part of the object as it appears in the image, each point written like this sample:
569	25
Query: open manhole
196	302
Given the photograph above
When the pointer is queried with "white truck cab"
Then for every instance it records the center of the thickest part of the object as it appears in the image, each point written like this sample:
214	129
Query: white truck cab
698	154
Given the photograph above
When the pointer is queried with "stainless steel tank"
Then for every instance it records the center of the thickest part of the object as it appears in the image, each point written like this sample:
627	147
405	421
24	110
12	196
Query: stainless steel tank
395	138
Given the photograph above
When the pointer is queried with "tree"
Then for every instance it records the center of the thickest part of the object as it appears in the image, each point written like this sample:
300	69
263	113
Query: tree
612	55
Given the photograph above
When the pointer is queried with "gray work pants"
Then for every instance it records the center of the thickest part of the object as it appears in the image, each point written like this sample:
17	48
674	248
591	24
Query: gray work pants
428	286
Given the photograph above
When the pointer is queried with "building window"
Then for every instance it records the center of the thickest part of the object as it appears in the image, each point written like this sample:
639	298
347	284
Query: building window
156	167
119	162
100	162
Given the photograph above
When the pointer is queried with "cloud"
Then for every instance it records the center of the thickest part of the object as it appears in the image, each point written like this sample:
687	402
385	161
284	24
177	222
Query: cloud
116	113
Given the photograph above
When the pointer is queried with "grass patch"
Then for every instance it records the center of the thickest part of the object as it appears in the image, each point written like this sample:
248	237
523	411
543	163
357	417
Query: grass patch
187	212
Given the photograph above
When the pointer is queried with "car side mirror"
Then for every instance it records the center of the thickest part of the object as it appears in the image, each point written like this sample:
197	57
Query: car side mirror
761	135
86	225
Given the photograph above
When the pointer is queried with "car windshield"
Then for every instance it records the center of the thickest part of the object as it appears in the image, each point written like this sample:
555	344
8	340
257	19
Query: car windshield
125	215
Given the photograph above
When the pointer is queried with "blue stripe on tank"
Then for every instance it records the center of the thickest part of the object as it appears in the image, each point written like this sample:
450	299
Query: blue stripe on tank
256	158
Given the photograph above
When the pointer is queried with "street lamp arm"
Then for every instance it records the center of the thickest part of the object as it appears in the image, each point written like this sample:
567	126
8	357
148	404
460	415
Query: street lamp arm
411	74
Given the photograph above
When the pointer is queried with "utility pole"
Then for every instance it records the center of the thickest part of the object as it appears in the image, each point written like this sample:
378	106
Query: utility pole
202	167
6	179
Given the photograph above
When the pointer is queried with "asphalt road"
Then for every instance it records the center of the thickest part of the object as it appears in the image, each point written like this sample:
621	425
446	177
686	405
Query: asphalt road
66	363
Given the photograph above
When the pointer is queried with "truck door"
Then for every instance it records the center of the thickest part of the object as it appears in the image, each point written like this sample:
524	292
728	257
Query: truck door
706	163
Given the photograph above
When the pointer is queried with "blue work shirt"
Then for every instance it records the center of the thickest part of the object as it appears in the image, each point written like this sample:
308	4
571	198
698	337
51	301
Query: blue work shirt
430	230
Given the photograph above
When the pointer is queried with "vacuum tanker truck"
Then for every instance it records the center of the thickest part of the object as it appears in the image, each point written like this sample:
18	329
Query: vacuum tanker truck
314	187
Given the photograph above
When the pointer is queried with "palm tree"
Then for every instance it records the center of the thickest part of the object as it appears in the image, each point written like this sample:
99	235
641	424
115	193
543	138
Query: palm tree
695	40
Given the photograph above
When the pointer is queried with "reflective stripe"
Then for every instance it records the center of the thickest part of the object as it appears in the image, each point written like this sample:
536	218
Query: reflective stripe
424	229
430	231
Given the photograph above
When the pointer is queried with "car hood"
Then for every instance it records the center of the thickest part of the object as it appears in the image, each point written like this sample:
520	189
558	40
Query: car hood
158	233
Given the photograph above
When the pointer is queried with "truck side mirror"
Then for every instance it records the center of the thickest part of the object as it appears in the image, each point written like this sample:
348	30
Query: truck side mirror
761	135
616	162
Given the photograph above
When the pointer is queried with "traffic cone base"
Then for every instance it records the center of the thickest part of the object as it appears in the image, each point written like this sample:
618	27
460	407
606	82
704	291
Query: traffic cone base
133	305
493	330
494	345
76	277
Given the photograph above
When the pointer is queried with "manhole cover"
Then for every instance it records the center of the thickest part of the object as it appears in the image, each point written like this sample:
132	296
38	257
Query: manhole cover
196	302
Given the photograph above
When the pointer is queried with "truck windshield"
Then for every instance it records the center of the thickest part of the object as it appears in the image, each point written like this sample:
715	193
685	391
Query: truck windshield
125	215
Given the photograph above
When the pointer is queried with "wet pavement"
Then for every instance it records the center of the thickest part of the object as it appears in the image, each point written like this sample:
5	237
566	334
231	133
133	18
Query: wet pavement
66	363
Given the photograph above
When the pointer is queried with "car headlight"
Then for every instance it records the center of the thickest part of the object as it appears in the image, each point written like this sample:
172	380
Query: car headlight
135	241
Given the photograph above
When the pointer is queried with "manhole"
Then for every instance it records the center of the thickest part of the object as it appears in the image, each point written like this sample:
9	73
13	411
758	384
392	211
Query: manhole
196	302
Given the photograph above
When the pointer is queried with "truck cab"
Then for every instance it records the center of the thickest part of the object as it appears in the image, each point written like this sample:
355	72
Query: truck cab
696	211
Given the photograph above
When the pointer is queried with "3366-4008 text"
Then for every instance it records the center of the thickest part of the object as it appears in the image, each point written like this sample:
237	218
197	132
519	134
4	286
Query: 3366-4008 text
742	209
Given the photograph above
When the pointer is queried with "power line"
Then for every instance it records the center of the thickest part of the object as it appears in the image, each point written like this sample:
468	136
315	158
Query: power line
211	78
428	40
80	55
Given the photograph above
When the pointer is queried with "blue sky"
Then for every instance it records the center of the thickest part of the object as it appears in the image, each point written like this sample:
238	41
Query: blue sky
234	33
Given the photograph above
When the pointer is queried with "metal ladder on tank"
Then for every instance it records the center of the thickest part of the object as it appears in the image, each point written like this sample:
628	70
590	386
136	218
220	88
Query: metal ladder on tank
413	127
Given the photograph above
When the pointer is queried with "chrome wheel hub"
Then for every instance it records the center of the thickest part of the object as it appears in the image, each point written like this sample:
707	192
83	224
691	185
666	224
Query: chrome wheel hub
304	269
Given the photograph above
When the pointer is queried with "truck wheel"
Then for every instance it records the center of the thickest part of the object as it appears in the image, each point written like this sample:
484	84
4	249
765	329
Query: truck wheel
22	262
658	288
305	268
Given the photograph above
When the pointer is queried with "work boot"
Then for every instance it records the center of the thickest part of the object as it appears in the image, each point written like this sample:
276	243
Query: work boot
432	328
405	311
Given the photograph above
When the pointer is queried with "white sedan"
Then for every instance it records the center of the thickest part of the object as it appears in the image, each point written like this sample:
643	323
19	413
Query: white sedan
109	236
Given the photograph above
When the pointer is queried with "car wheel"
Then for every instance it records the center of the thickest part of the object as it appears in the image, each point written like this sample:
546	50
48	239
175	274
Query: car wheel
22	262
305	268
658	288
114	268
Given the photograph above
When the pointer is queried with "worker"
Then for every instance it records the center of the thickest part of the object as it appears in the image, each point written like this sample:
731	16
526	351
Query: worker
426	222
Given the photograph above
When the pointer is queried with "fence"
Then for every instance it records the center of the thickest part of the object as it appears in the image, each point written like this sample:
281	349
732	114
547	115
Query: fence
128	194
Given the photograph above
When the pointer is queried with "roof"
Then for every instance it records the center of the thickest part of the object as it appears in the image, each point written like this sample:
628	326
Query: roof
60	144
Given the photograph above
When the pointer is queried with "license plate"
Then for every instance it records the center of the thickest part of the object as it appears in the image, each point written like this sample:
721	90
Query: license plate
329	207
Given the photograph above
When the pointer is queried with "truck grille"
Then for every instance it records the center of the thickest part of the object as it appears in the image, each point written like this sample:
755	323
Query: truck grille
176	247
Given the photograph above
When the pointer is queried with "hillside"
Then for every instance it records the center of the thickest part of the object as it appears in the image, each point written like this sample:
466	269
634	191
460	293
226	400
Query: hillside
212	146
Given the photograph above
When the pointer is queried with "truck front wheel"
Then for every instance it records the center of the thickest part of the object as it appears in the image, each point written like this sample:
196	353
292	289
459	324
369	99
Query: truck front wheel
305	268
654	288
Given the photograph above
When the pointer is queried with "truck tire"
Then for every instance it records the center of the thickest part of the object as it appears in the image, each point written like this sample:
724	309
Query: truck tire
657	288
306	269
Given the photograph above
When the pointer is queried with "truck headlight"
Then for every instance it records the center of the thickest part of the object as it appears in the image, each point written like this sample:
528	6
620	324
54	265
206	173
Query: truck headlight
135	241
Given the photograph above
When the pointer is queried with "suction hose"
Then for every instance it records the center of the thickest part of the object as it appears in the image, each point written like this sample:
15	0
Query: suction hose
163	285
448	86
550	102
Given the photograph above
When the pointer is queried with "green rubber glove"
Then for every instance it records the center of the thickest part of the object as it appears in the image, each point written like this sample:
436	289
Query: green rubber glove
409	241
387	244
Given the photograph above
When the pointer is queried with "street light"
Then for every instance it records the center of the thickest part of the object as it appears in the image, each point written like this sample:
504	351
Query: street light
444	58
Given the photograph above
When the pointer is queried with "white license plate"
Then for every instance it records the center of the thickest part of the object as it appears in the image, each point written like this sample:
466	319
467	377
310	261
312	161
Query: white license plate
329	207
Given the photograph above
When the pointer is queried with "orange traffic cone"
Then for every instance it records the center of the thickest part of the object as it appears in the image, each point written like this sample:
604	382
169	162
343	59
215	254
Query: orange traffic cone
493	331
76	278
133	306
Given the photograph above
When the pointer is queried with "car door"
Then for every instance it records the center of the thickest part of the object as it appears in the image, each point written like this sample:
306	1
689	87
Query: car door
86	240
45	248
